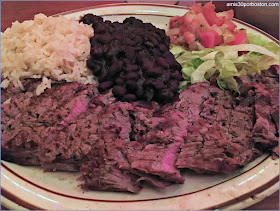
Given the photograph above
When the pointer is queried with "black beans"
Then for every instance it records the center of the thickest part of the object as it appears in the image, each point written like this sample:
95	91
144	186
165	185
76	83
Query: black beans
159	85
173	85
100	29
92	19
131	85
166	95
130	97
132	76
102	77
149	44
105	86
127	42
96	51
154	72
148	82
133	59
104	38
166	76
162	62
91	64
147	64
119	81
131	68
176	75
162	48
130	53
115	68
119	91
154	41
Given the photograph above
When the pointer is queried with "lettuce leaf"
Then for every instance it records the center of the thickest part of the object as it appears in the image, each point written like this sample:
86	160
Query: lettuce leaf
199	74
194	64
198	66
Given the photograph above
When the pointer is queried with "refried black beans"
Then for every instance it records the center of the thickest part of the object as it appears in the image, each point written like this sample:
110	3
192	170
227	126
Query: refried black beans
133	58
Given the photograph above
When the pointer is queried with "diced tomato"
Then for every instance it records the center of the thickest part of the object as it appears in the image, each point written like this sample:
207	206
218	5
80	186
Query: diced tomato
217	29
194	46
181	20
230	25
199	22
183	29
240	53
218	39
210	39
173	22
220	21
223	28
189	37
173	39
197	8
210	15
174	31
207	39
201	26
240	38
188	18
228	37
227	14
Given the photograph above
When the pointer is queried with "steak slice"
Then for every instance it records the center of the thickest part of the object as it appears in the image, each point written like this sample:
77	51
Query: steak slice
217	137
102	173
29	121
76	139
158	136
106	168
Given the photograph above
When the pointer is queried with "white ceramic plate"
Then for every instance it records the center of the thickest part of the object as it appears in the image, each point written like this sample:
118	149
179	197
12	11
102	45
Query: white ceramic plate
31	188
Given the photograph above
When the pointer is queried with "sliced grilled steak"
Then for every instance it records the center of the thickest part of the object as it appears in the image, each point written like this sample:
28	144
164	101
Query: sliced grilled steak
118	145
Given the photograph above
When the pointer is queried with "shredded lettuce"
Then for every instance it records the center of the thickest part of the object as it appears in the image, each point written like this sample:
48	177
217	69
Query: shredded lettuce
192	66
198	74
199	66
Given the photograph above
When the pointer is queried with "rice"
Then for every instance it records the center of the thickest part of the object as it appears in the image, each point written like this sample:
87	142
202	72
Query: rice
51	48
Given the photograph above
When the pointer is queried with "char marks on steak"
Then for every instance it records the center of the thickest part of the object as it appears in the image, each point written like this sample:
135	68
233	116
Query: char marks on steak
118	145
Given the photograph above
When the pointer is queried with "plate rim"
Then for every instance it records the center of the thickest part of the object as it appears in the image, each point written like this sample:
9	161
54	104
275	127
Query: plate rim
268	187
130	201
273	181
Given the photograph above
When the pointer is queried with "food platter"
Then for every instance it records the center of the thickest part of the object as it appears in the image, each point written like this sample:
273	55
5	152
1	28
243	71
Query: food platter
32	188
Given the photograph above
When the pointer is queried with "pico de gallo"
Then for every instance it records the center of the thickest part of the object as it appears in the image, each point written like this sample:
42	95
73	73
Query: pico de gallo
202	26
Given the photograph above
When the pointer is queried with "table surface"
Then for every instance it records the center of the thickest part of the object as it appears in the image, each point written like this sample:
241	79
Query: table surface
20	10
